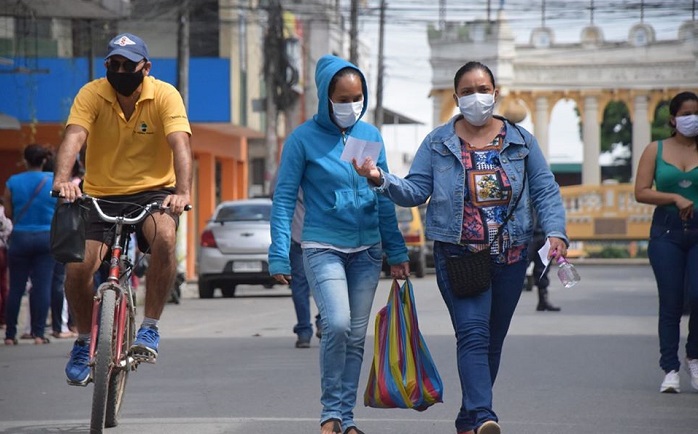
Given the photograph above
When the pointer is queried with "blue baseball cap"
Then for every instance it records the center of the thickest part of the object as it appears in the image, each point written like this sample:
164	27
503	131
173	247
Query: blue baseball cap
130	46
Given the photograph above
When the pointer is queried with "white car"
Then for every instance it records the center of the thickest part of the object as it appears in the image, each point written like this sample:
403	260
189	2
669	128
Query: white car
234	247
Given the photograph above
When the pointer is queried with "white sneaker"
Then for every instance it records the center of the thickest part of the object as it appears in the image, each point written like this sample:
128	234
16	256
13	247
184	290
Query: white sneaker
671	383
489	427
692	368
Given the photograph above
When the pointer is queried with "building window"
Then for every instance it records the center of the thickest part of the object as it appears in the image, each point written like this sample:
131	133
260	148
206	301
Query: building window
257	171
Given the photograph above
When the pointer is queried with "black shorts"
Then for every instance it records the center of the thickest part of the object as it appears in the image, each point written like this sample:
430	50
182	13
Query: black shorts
128	205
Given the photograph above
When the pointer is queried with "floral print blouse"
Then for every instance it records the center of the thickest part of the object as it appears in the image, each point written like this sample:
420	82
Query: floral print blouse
487	196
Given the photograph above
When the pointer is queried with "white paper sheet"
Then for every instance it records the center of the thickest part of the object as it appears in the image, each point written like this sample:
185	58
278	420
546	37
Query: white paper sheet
360	149
543	253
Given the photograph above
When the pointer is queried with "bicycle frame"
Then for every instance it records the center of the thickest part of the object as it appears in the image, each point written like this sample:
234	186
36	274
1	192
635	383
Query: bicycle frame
117	280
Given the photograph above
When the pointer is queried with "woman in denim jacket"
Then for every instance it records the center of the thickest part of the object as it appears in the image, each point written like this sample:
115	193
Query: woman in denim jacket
474	168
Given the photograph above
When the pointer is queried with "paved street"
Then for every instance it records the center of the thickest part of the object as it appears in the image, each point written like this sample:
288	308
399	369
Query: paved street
229	366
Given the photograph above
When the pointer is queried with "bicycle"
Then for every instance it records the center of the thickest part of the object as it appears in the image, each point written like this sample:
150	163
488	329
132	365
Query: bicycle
113	322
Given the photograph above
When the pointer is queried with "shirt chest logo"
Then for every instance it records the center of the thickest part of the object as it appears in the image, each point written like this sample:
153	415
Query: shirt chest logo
143	128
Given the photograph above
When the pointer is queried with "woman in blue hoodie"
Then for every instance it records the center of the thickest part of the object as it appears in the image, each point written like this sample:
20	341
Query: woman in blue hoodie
485	176
346	229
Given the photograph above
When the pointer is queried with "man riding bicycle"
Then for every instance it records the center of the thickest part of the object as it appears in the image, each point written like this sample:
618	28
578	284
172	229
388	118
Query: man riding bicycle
136	133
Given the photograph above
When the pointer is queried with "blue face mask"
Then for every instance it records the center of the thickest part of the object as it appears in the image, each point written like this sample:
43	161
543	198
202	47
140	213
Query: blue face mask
346	114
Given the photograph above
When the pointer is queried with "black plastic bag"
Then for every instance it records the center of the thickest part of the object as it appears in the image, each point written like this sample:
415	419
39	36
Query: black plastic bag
68	232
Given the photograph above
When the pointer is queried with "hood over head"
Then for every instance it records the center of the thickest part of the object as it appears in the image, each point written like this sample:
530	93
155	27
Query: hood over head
327	67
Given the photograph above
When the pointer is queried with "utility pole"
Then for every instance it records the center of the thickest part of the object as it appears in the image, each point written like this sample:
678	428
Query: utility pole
353	33
381	68
242	60
271	71
183	51
442	14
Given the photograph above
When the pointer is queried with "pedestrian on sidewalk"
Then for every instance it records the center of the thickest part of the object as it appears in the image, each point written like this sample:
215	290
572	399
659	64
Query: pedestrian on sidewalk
31	207
346	229
667	176
300	290
484	175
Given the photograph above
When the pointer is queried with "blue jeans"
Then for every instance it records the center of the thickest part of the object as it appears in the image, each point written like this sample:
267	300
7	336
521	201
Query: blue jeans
29	258
481	324
57	297
300	293
343	286
673	253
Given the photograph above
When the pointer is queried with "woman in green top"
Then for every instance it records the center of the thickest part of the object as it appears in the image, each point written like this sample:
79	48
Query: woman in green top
672	166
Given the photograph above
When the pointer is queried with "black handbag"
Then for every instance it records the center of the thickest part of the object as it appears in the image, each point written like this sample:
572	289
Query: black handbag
469	274
68	232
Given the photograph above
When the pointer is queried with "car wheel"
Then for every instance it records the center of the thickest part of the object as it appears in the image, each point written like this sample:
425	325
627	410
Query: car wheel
205	288
228	290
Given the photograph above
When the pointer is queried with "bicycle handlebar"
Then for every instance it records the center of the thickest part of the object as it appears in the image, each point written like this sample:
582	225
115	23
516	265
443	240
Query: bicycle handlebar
121	219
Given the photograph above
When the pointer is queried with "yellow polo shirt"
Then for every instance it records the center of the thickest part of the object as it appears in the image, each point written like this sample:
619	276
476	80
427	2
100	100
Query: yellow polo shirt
126	157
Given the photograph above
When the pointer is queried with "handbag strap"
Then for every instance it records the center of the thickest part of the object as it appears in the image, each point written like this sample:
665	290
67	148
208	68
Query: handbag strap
25	208
518	198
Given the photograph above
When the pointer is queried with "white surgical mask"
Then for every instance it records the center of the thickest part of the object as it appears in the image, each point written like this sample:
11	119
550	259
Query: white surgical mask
345	114
687	125
477	108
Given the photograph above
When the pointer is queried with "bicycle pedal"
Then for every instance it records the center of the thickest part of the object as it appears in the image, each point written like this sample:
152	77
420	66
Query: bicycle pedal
143	355
129	361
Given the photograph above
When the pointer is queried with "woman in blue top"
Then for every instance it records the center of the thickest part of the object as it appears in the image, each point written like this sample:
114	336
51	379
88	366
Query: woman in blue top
479	169
30	206
672	166
346	229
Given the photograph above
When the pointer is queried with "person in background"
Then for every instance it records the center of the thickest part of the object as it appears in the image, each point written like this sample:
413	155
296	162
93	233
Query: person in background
31	207
5	231
136	136
540	271
346	229
667	176
300	291
477	170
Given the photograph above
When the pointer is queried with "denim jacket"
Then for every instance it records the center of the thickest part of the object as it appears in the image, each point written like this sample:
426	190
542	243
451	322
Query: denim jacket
437	172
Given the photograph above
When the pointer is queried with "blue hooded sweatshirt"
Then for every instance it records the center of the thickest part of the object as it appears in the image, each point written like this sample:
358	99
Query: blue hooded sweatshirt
341	208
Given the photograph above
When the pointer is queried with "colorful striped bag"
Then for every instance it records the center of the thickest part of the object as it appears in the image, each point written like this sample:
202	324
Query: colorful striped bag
403	374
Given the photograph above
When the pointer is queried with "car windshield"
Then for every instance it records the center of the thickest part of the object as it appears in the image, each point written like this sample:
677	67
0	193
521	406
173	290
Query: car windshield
404	215
244	213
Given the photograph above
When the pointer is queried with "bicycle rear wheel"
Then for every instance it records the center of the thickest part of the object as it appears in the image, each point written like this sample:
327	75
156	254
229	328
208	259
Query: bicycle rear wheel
119	375
103	360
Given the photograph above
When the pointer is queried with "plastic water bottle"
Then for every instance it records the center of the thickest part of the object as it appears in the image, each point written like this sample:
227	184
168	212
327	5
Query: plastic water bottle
567	273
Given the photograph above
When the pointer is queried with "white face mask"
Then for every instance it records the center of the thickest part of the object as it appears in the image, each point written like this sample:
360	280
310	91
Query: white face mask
477	107
345	114
687	125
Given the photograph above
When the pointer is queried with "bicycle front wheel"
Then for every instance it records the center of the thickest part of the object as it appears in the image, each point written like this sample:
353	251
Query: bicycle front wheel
119	375
103	360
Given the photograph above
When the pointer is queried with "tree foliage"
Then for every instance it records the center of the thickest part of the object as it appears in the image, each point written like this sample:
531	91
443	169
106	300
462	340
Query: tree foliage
660	125
616	126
